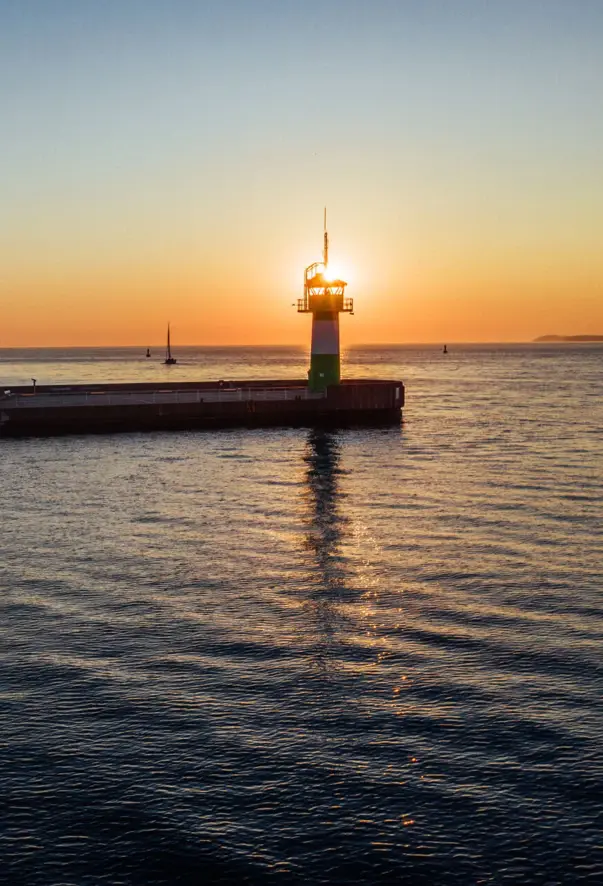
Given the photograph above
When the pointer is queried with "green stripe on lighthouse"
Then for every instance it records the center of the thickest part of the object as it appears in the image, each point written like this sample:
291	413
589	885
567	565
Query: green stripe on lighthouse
325	369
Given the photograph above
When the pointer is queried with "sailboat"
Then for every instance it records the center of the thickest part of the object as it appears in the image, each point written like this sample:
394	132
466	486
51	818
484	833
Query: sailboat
169	360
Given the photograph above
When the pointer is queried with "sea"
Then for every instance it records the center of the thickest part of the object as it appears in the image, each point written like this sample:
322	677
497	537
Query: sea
306	657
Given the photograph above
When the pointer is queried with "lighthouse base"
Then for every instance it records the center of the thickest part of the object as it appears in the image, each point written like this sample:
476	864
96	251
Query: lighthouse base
325	370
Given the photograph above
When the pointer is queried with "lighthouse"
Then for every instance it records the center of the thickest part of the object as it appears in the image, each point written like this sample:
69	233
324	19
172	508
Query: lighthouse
324	298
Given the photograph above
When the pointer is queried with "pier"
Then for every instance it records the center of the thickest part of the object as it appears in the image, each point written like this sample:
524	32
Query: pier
196	405
323	399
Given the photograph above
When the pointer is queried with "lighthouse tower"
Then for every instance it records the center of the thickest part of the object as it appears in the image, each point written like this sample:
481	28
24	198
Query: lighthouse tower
324	299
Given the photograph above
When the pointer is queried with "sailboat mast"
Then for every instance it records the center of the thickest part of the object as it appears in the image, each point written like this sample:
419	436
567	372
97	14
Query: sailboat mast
169	360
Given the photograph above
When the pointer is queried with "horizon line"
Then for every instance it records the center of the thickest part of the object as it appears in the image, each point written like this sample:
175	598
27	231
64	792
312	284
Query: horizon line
438	342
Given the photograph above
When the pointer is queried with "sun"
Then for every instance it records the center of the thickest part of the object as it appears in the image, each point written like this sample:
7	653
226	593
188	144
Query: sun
334	272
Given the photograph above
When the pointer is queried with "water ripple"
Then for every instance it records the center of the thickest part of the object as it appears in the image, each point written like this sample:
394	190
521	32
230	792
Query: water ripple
362	657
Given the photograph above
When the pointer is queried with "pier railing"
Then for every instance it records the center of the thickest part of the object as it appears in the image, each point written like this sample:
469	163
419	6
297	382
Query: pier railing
155	398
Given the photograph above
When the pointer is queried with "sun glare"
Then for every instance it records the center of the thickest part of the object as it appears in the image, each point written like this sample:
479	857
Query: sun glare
335	272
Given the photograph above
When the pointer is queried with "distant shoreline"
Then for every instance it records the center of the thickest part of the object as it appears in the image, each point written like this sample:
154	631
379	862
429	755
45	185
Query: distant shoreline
569	338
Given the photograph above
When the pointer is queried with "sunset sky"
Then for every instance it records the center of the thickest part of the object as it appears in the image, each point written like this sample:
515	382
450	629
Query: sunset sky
170	160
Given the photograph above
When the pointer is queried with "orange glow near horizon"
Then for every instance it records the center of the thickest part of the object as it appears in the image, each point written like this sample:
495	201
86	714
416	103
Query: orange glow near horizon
125	307
422	295
439	275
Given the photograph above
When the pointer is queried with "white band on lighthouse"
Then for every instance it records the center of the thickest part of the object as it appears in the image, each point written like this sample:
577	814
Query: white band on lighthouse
325	336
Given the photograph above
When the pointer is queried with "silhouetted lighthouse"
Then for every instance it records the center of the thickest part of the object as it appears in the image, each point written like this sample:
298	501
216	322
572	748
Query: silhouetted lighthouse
324	299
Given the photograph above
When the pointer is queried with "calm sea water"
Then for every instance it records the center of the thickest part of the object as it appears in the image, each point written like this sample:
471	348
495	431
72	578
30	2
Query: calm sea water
357	657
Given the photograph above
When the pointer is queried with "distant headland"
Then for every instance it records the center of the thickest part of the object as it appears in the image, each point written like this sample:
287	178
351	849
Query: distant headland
570	338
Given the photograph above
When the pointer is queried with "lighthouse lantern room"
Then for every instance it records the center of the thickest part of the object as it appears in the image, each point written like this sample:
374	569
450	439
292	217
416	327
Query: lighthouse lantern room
324	298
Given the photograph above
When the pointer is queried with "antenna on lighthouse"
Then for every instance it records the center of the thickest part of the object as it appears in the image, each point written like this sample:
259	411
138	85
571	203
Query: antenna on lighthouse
325	248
